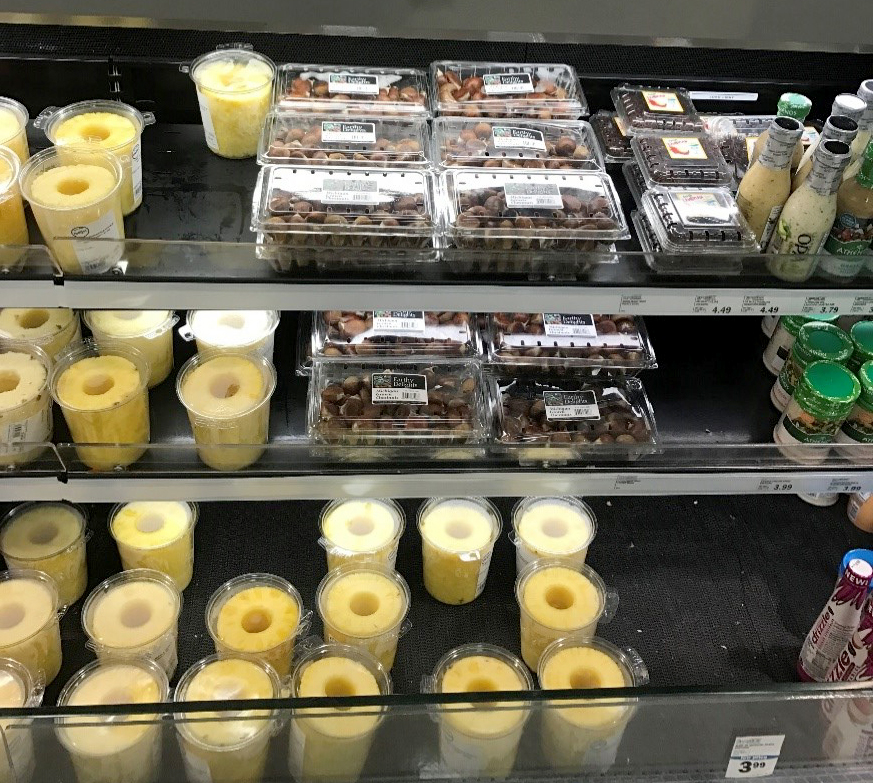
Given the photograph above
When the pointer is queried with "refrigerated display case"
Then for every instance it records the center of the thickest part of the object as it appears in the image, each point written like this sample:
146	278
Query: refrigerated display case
520	367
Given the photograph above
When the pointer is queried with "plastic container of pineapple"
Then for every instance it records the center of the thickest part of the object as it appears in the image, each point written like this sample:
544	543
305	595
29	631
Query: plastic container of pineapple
25	403
332	743
108	125
134	614
106	748
234	90
49	537
18	689
51	329
149	331
13	127
457	541
158	535
361	530
258	615
30	599
75	194
228	746
227	396
365	605
249	331
13	226
102	393
478	740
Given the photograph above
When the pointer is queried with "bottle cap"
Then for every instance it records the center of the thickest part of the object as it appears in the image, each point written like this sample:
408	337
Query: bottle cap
786	129
833	154
865	93
793	104
849	105
840	127
827	390
856	554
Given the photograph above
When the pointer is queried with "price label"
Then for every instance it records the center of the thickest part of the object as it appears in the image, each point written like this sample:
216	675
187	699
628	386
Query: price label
632	303
571	405
398	388
758	305
847	485
754	757
626	481
775	485
713	304
862	305
819	305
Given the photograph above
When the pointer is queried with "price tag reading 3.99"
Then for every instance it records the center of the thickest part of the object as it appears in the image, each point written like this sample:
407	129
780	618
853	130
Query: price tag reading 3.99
754	757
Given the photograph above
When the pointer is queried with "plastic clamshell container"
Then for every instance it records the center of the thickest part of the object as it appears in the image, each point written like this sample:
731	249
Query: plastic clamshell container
612	136
343	335
558	419
736	136
655	110
351	90
314	214
327	140
697	220
515	144
681	161
636	182
506	210
548	91
581	344
402	403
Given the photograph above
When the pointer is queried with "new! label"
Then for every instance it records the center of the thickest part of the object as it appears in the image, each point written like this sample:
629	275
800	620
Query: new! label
350	190
389	387
391	321
531	195
754	757
658	100
506	83
348	132
571	406
684	148
353	83
518	138
569	325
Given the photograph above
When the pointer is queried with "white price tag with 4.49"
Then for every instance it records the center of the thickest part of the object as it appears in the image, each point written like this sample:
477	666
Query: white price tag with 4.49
754	757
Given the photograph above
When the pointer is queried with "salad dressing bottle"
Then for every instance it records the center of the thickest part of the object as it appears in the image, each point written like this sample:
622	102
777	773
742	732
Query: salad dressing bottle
808	216
837	127
865	129
767	184
796	106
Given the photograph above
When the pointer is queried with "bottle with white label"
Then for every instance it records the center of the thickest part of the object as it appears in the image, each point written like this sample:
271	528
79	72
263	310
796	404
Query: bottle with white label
808	216
838	127
766	186
791	104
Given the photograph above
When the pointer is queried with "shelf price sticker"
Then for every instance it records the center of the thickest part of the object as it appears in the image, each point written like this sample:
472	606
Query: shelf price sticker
846	485
819	305
759	305
775	485
755	757
862	304
713	304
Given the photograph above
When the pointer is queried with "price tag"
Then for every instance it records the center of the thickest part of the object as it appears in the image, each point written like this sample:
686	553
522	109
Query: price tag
350	190
713	304
718	95
754	757
819	305
626	481
775	485
571	405
847	485
632	303
862	305
398	388
758	305
532	195
569	325
392	321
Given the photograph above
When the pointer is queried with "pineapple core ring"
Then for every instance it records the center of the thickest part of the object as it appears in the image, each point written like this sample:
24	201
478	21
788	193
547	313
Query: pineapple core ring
232	321
585	678
97	384
559	597
150	523
43	534
361	526
73	186
9	380
478	684
32	319
256	621
11	615
364	604
340	686
224	386
135	614
459	529
555	528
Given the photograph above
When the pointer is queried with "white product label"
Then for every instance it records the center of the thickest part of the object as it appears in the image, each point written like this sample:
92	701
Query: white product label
770	226
353	83
460	756
36	429
484	565
97	256
197	768
660	100
392	557
206	119
517	138
857	500
390	387
571	406
507	83
569	325
296	750
350	190
775	485
715	95
754	757
779	393
136	170
348	132
398	321
684	148
531	195
523	556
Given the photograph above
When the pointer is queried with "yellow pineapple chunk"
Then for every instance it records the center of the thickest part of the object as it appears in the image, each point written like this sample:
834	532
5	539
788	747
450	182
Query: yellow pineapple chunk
76	185
52	329
103	128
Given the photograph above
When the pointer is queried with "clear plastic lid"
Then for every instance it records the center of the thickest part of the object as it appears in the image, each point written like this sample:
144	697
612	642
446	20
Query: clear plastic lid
325	139
363	207
19	111
238	70
30	530
441	530
573	411
52	118
649	241
692	220
607	600
514	210
360	524
48	613
636	182
148	520
345	89
10	167
331	651
357	403
551	532
548	91
515	144
681	160
37	355
628	661
375	334
477	650
646	110
612	135
17	686
564	343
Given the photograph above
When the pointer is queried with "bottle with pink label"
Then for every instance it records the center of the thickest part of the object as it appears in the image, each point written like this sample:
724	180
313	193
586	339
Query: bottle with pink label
855	662
837	622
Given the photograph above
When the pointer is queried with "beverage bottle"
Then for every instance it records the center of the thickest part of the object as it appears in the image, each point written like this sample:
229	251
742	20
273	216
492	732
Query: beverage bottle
808	216
850	241
766	185
838	127
855	662
796	106
837	622
850	734
865	129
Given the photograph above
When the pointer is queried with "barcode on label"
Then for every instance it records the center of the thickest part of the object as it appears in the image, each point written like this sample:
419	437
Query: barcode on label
391	321
350	190
531	195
